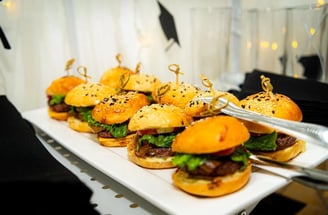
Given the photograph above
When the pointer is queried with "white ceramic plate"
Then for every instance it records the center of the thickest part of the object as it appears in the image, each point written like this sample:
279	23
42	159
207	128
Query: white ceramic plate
156	185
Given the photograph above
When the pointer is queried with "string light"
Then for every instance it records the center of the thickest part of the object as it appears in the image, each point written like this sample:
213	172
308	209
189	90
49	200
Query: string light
7	4
320	2
312	31
249	45
274	46
294	44
264	44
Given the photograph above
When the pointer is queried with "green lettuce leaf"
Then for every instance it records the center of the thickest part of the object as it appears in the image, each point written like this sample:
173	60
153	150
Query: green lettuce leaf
262	143
189	160
159	140
57	99
117	130
241	154
192	161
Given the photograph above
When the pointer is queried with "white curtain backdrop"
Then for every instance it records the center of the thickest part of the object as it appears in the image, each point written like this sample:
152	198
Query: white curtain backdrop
44	34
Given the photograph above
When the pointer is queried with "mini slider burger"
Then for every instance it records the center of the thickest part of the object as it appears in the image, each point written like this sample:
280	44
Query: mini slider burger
112	115
211	158
141	82
112	76
56	92
175	93
199	109
82	100
156	126
265	140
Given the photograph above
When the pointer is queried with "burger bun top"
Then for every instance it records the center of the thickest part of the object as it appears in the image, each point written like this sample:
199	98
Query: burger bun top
62	85
211	134
142	82
178	94
201	109
273	105
156	116
119	108
88	94
113	76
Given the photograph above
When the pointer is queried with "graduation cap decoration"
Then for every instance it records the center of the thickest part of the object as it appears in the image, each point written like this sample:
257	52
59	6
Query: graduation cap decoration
3	38
168	25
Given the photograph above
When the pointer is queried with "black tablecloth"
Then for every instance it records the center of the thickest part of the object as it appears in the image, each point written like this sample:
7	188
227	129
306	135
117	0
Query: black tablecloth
309	94
32	181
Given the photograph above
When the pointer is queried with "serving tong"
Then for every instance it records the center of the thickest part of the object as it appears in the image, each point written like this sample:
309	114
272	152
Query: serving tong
309	132
311	177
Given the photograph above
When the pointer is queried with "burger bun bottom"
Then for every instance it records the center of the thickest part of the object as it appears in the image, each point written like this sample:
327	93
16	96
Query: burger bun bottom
78	125
150	162
286	154
117	142
62	116
217	186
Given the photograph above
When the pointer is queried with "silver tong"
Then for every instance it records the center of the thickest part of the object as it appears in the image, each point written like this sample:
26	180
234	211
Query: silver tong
313	133
310	177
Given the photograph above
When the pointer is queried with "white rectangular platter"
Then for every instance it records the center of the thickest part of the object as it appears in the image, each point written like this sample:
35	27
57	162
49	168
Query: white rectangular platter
155	185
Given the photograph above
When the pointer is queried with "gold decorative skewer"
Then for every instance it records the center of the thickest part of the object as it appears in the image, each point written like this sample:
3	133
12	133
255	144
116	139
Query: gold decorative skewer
266	85
68	66
208	84
166	87
124	79
119	59
137	69
82	70
161	91
212	109
176	69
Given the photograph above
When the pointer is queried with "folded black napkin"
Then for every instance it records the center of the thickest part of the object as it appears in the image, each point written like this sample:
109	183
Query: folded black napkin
309	94
32	181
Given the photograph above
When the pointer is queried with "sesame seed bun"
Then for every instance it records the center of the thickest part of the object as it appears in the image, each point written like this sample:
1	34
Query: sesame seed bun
200	109
112	77
161	119
175	94
142	82
215	133
274	105
88	94
118	108
159	116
